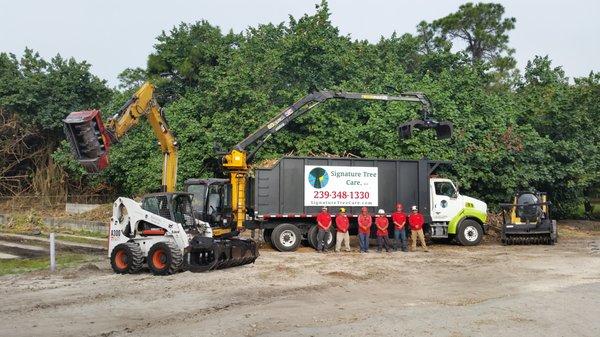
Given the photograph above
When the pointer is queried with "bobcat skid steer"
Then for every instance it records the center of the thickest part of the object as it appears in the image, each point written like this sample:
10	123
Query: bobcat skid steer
162	233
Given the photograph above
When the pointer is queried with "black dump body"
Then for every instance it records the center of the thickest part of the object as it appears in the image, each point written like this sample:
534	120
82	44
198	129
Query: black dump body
279	191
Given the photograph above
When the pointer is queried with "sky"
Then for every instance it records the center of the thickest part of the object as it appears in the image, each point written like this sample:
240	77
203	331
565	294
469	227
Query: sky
114	34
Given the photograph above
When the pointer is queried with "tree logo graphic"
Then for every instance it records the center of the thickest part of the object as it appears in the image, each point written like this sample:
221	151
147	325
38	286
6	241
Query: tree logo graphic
318	177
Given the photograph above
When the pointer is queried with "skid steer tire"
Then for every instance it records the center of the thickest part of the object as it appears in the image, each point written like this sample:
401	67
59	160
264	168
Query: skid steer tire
286	237
126	258
469	233
164	259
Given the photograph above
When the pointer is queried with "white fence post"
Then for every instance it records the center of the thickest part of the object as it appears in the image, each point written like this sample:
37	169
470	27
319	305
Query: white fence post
52	253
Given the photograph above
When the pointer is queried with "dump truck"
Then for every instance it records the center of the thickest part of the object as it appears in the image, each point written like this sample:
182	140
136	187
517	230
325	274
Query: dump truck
283	200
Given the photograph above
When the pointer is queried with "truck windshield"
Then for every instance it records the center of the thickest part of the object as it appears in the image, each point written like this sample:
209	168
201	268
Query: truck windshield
445	188
199	192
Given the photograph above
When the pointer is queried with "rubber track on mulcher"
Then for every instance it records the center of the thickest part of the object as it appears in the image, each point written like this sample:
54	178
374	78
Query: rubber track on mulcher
534	239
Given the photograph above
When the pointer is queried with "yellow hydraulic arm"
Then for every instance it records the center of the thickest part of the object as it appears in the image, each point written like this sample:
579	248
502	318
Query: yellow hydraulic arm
143	104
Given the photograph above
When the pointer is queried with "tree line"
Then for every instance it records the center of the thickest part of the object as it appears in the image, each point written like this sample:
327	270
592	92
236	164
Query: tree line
514	130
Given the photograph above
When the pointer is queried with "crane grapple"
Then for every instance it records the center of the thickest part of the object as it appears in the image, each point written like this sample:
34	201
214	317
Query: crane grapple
88	138
443	130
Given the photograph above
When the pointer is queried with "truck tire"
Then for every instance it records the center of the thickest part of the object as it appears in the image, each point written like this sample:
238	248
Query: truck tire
267	236
126	258
312	237
164	258
469	233
286	237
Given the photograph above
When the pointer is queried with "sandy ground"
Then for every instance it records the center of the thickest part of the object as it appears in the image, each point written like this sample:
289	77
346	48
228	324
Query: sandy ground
450	291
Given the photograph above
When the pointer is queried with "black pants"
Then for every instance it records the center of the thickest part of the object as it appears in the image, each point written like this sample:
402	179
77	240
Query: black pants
385	241
322	238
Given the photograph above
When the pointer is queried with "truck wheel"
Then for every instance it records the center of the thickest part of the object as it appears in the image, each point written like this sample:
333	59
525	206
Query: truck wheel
164	259
286	237
312	236
330	242
126	258
469	233
267	236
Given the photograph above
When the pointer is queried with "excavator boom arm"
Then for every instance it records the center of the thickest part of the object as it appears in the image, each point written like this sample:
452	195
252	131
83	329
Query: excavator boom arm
90	140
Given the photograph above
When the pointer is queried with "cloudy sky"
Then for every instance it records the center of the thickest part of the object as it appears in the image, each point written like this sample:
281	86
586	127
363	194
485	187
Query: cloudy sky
114	34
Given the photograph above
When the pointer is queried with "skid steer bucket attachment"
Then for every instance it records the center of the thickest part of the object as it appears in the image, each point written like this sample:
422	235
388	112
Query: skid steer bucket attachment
443	130
209	254
88	138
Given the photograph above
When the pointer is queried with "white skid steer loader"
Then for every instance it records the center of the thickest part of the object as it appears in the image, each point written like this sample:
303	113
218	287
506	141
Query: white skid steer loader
162	233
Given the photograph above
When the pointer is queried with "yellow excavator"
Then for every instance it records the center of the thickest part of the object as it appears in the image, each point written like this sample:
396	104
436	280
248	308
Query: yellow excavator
160	230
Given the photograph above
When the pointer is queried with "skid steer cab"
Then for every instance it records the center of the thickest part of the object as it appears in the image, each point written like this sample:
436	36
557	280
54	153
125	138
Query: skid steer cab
162	234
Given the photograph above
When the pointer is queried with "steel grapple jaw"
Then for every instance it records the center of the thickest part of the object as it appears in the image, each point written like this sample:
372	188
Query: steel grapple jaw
443	130
88	139
210	254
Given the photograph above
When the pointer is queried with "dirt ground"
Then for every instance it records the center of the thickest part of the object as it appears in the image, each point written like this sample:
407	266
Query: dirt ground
490	290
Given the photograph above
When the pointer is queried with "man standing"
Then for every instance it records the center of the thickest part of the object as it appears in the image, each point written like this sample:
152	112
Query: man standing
399	219
342	224
416	221
364	229
324	222
382	224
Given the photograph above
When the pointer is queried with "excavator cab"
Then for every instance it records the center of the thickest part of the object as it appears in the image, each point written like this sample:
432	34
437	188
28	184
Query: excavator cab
88	138
212	201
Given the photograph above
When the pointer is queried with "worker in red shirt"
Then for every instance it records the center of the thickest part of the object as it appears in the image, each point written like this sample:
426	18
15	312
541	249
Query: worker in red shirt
416	222
382	225
324	223
342	224
364	229
399	220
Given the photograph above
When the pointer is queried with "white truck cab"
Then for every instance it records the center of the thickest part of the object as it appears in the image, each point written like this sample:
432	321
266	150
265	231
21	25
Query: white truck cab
455	215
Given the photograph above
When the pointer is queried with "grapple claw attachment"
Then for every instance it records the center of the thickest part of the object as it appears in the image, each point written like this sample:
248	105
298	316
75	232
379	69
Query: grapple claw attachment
209	254
443	130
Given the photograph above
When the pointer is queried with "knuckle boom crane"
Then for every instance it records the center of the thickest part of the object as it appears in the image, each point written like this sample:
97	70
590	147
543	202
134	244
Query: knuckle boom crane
237	160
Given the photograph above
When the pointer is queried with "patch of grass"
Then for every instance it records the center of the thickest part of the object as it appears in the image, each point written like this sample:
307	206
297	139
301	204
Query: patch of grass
80	240
19	266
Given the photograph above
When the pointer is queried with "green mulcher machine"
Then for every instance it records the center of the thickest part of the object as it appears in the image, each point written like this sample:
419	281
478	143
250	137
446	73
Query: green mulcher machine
527	220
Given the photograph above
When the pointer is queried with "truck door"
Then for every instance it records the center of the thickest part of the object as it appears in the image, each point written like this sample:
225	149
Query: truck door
445	201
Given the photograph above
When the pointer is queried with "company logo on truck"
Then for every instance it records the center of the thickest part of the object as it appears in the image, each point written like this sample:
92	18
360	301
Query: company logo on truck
318	177
340	186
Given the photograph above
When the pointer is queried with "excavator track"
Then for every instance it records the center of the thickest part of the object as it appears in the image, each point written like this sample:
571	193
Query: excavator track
534	239
209	254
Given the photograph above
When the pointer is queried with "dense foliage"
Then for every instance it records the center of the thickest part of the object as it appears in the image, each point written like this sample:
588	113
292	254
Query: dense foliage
535	130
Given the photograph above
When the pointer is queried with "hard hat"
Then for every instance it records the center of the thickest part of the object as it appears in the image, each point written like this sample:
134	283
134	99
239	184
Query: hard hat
381	211
414	208
343	210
